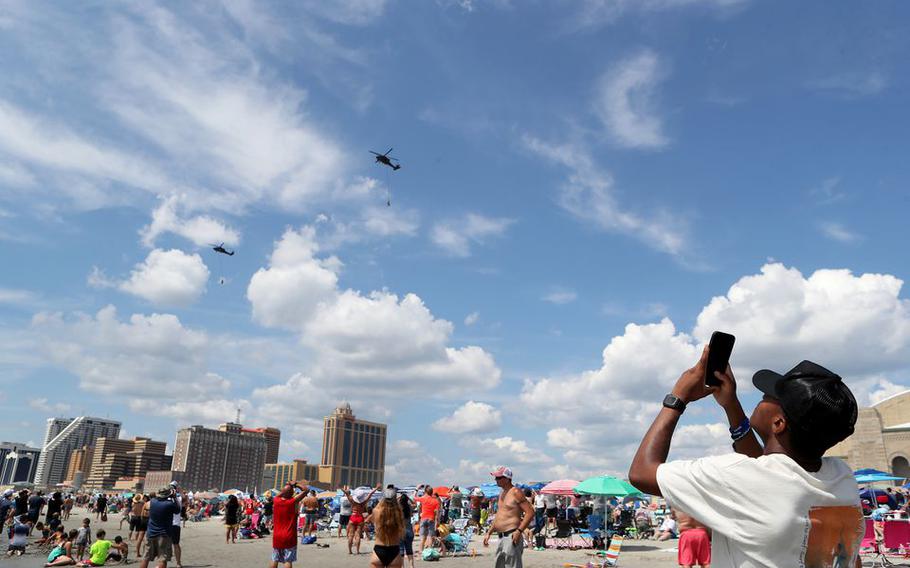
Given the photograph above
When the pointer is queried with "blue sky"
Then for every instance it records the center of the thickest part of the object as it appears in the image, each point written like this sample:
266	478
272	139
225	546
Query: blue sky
589	188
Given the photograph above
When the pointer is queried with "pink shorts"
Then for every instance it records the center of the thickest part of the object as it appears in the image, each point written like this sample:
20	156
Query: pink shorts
694	548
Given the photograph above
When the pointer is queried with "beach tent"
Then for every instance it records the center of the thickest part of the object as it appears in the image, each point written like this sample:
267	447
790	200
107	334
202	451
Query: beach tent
560	487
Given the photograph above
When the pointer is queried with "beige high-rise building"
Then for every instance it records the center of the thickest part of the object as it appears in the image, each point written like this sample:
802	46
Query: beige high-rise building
353	449
881	438
276	475
80	463
126	461
227	458
273	441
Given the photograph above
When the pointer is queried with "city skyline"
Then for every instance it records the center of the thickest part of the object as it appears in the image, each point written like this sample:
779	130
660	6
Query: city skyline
588	189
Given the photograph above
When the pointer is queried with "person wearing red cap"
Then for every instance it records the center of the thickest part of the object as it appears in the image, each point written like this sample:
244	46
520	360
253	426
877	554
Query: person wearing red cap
514	516
783	504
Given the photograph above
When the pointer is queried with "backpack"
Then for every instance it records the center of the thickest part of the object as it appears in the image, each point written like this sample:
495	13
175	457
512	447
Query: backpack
308	540
430	554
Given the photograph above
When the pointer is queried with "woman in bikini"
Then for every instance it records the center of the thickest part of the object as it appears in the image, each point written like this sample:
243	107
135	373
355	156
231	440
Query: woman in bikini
355	533
389	522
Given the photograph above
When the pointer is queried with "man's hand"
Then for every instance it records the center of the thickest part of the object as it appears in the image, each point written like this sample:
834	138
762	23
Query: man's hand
691	384
486	539
516	536
725	394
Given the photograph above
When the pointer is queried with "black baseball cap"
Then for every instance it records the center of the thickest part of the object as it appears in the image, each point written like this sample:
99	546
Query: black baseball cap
815	400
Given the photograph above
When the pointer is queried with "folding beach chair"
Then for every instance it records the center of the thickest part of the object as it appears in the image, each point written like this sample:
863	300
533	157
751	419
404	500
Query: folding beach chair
563	536
594	531
459	525
611	556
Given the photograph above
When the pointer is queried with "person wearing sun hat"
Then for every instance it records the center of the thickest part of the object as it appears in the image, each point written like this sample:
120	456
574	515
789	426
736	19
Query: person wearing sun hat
783	504
514	516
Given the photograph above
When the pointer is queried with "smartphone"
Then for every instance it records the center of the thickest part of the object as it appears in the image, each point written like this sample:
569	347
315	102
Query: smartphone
719	350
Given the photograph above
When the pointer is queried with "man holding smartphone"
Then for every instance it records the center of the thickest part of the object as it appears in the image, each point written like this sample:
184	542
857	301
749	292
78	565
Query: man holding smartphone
781	505
284	521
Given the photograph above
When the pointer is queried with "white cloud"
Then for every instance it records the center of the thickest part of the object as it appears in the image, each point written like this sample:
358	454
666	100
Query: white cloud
350	12
858	326
505	450
838	232
47	407
167	278
201	230
587	194
287	293
456	236
829	191
560	296
470	417
361	340
626	101
855	325
593	13
852	84
152	356
16	297
472	318
409	463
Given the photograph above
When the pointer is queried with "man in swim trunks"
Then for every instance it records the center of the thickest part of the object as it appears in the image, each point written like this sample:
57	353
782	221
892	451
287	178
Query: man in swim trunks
694	542
355	530
514	516
311	510
284	521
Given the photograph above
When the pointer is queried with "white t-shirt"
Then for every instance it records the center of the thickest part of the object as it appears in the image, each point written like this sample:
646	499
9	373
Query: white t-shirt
178	519
769	511
539	502
550	501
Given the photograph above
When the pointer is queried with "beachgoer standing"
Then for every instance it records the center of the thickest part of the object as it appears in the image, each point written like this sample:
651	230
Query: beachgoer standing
161	518
781	505
476	506
390	528
311	510
552	504
456	503
180	499
284	521
694	542
231	519
344	515
35	505
407	542
429	517
514	515
358	508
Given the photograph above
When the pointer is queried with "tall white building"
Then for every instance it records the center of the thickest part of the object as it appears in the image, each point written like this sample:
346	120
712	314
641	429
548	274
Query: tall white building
64	435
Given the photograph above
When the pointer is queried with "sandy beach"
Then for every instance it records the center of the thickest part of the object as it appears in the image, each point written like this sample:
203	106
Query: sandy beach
204	547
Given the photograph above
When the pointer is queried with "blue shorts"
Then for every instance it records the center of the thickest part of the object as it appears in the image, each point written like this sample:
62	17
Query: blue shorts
284	554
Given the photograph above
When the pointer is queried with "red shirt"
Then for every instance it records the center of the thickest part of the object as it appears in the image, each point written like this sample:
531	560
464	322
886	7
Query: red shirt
284	518
428	507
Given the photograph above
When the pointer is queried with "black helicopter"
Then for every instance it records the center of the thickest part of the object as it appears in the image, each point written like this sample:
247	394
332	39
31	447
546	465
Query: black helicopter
386	160
220	248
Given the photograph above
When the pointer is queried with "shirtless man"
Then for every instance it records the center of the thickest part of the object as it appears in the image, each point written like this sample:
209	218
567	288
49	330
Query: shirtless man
694	542
355	533
311	510
512	519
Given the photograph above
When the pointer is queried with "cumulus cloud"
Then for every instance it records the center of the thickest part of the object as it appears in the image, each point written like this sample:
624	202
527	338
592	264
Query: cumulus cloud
457	236
588	194
560	296
627	101
147	356
470	417
857	325
166	278
360	339
201	230
472	318
409	463
505	449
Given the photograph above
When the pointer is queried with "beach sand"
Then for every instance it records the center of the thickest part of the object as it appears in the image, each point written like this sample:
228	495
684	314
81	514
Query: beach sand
204	547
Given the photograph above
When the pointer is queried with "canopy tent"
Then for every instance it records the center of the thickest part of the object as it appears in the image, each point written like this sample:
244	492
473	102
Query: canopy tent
490	490
560	487
607	486
869	471
877	478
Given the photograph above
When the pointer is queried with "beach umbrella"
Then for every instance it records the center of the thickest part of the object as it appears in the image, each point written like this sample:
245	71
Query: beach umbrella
441	491
560	487
490	490
361	493
326	495
236	492
606	485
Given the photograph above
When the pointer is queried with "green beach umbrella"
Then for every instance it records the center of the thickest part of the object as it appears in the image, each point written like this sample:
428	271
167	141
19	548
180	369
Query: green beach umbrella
607	486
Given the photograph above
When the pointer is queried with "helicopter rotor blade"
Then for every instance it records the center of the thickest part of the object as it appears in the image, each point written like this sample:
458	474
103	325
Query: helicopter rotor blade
388	152
377	153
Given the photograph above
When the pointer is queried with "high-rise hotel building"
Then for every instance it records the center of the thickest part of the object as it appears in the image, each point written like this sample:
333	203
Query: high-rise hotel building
353	449
63	435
